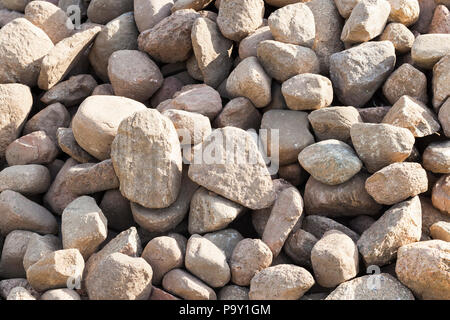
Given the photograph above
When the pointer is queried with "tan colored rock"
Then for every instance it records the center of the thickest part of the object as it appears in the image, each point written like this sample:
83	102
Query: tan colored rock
71	92
379	145
26	179
428	49
226	240
363	288
118	34
345	7
233	292
436	157
248	46
249	257
283	61
147	142
133	74
97	120
197	5
192	128
186	286
34	148
212	51
367	21
19	293
103	11
441	194
404	11
68	144
293	133
281	282
406	80
50	18
13	251
293	24
399	226
334	122
39	246
441	81
397	182
49	120
307	92
64	56
211	212
15	104
441	20
148	13
400	36
250	80
19	213
83	225
56	270
346	199
334	259
245	182
358	72
286	212
239	18
169	41
441	231
60	294
422	267
120	277
23	46
444	117
240	113
330	161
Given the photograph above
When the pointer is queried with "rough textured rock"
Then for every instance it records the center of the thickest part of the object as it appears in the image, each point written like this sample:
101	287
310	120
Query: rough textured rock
404	11
72	91
147	142
205	260
293	24
23	46
429	49
293	134
441	231
84	226
192	128
441	194
249	257
211	212
226	240
169	41
238	18
436	157
60	294
19	293
186	286
250	80
48	120
399	226
14	248
133	74
334	259
441	20
334	122
281	282
39	246
441	81
406	80
330	161
423	268
397	182
245	182
119	34
364	288
56	270
379	145
26	179
68	144
15	105
148	13
233	292
400	36
345	7
212	51
34	148
346	199
240	113
103	11
97	120
355	85
117	270
19	213
413	115
286	212
366	21
283	61
64	56
249	45
50	18
8	284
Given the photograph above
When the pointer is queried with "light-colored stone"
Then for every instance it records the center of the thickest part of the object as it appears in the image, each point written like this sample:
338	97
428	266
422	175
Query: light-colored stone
192	128
249	45
27	179
39	246
60	294
148	13
428	49
186	286
441	81
441	194
441	231
436	157
441	20
400	36
226	240
404	11
233	292
19	293
345	7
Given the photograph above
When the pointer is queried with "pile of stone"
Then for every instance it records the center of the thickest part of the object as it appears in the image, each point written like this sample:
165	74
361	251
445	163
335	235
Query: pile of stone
229	149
